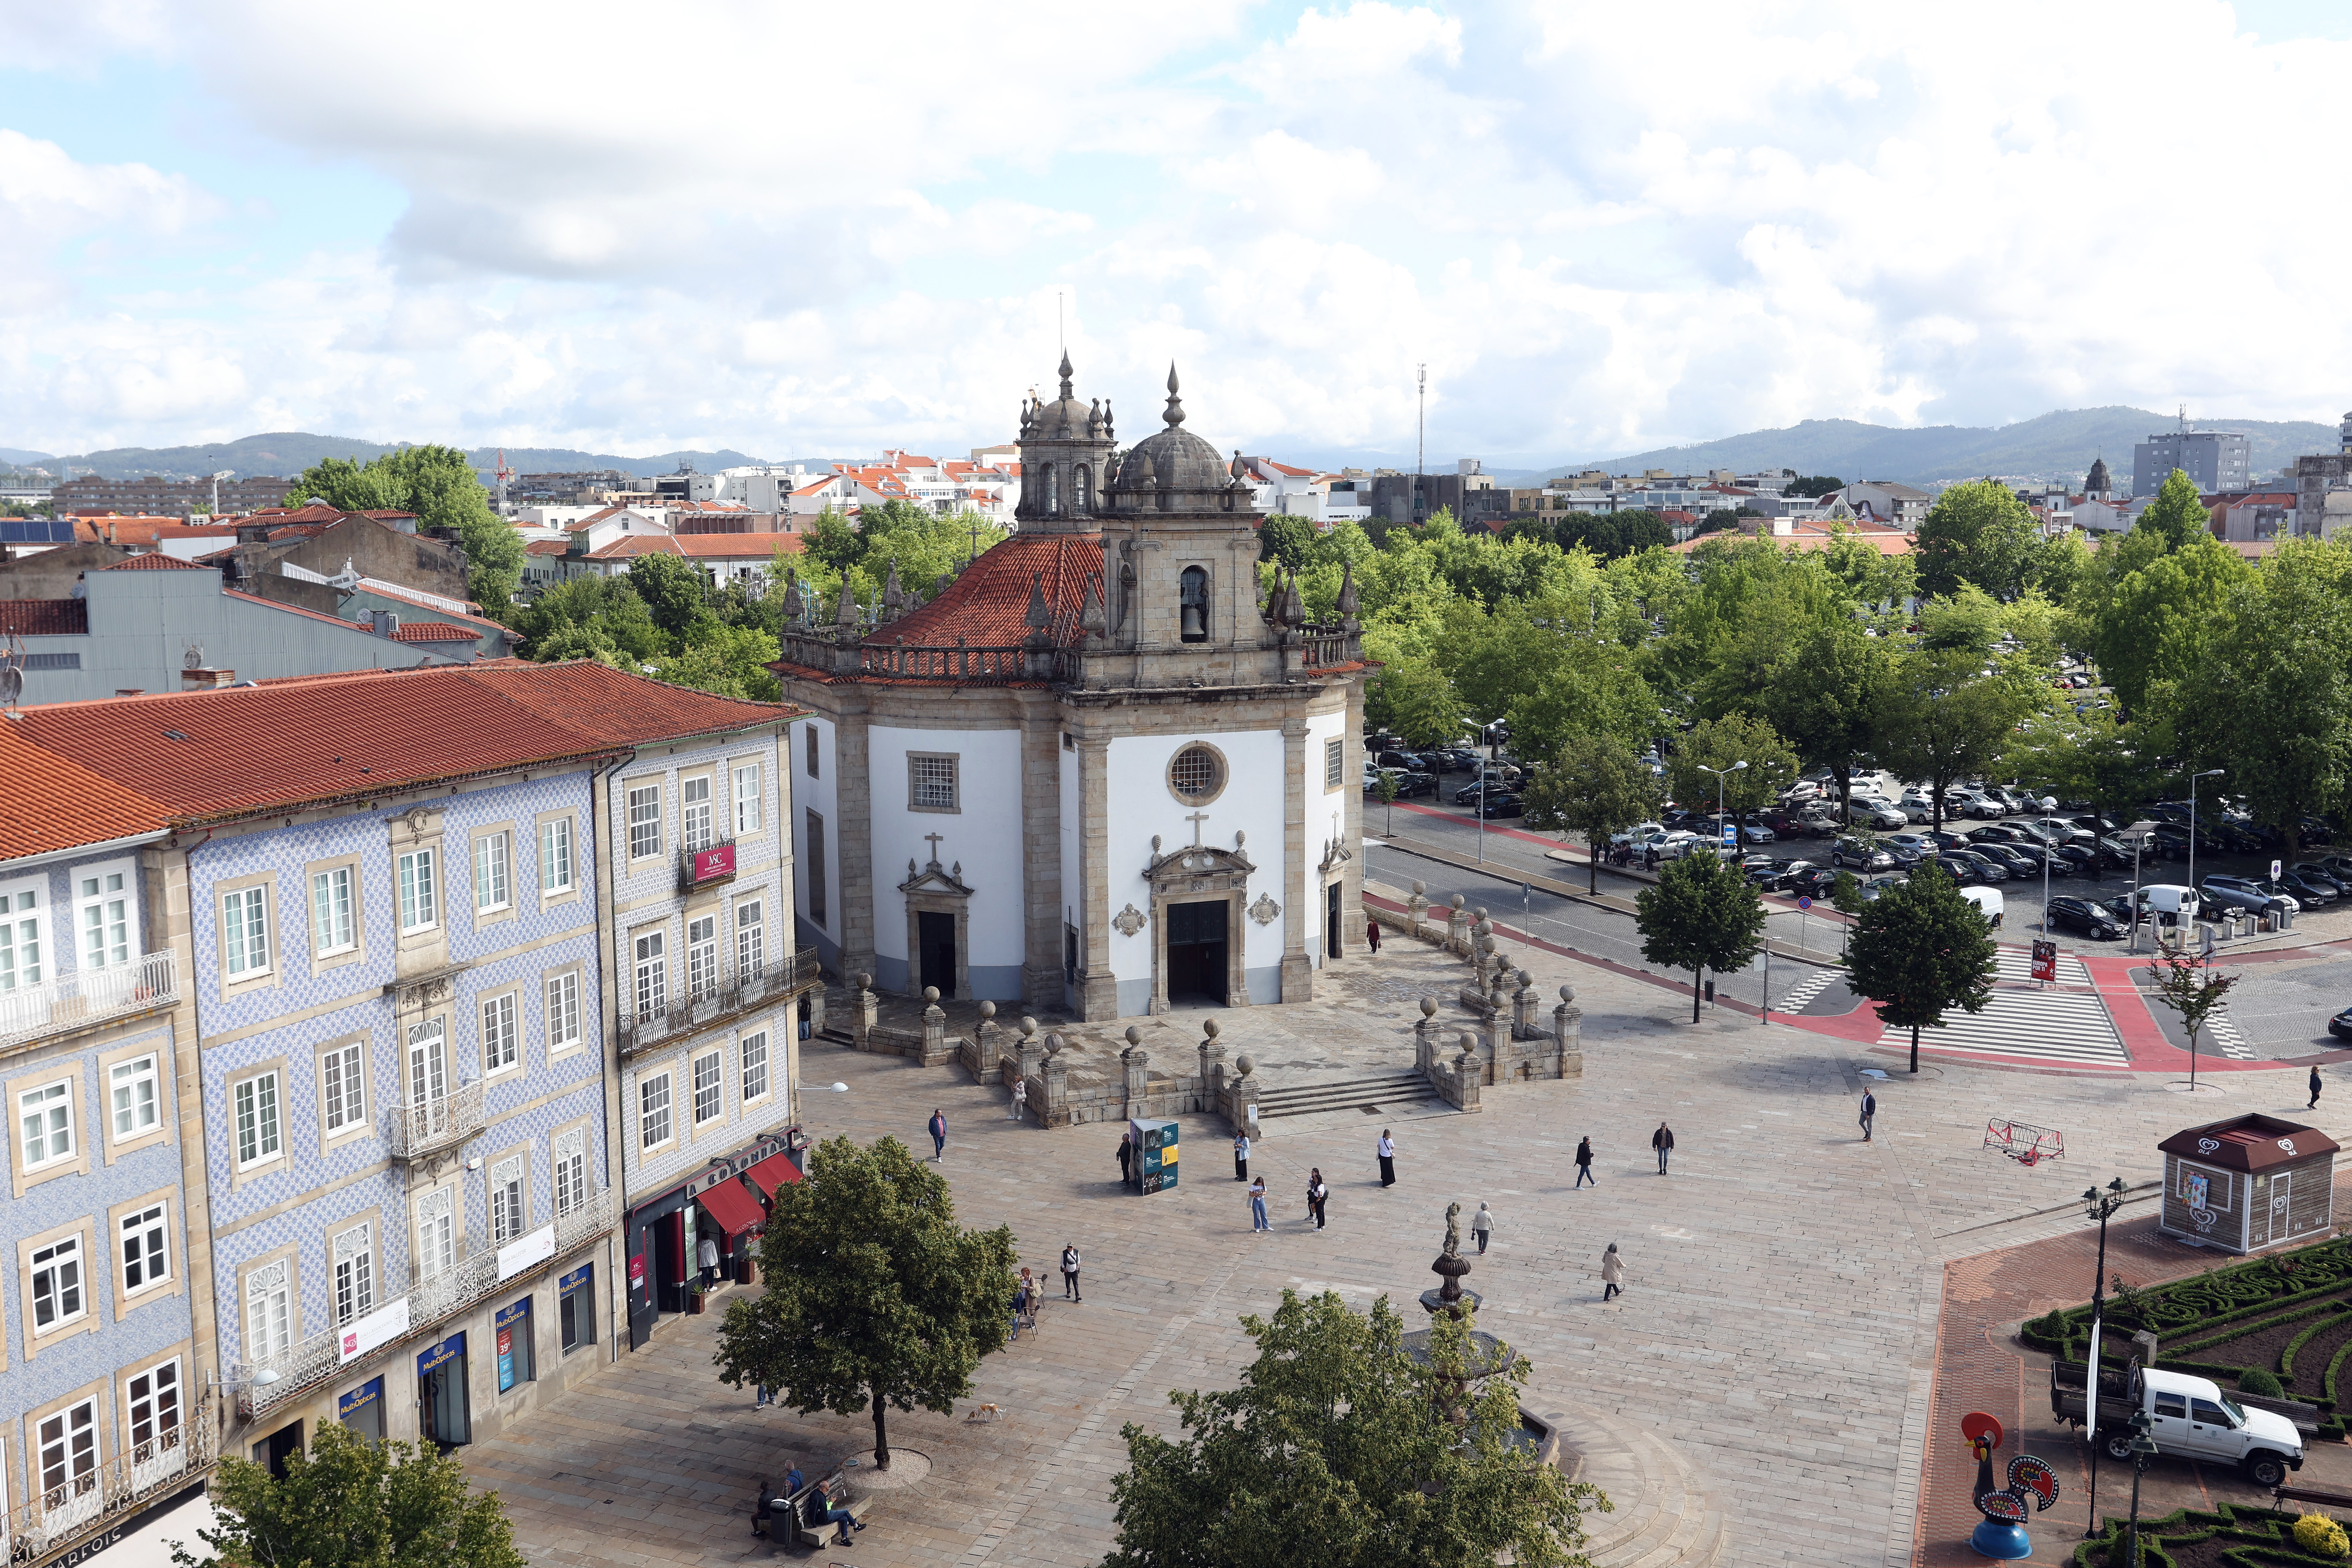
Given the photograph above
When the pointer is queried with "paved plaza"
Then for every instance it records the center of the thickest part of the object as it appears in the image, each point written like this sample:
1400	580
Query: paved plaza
1771	1372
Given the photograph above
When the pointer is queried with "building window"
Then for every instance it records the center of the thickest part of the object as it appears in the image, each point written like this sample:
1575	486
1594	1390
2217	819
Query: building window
333	928
578	1311
563	1012
133	1088
56	1284
512	1327
44	1115
645	821
20	938
694	814
653	1111
490	880
258	1131
354	1274
1197	774
932	781
506	1200
1083	483
706	1097
702	956
68	1455
1334	764
755	1067
653	975
436	1233
570	1151
499	1048
810	731
269	1312
747	799
751	940
146	1255
155	1422
555	855
105	920
429	1063
244	930
417	910
816	865
1192	604
343	1094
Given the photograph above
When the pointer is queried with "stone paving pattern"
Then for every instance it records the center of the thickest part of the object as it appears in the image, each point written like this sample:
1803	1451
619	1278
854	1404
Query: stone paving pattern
1779	1331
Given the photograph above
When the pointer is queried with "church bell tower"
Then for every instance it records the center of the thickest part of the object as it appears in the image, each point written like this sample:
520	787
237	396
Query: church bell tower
1066	447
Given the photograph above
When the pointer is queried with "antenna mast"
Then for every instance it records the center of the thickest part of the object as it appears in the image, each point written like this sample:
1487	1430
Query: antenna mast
1420	423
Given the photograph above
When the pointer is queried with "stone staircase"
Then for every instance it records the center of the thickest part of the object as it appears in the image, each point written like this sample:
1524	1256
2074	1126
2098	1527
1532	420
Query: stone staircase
1392	1092
1662	1516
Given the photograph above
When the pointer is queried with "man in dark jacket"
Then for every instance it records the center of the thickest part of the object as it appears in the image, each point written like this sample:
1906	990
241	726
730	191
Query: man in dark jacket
939	1128
1125	1158
1584	1161
1662	1141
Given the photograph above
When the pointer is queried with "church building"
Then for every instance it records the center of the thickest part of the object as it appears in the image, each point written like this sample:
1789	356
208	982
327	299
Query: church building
1101	771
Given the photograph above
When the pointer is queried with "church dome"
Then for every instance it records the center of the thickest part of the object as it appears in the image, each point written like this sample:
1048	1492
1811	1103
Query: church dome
1065	418
2096	483
1173	459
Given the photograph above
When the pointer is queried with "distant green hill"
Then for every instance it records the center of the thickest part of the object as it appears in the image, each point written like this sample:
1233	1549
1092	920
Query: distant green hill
288	453
2058	444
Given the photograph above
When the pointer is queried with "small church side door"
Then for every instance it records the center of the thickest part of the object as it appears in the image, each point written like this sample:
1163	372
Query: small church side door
938	934
1196	950
1332	923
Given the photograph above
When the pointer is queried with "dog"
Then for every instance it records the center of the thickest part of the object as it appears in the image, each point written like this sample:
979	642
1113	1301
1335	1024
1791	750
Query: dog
981	1413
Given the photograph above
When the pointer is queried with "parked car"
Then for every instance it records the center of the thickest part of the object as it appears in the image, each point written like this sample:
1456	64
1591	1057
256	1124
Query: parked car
1816	883
2312	892
2059	830
2340	882
1916	806
1878	886
2189	1418
1879	814
2340	1026
2009	857
1861	855
1504	805
1988	868
1964	870
1982	805
2336	866
1762	869
1915	846
1946	840
1997	833
1410	786
2245	893
2083	916
1639	834
1468	793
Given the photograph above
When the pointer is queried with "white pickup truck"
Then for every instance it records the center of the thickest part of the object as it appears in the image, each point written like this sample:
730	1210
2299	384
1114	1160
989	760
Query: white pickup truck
2189	1417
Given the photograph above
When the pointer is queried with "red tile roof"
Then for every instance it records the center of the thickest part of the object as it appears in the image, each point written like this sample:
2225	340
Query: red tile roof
45	617
54	804
432	631
213	757
154	560
148	532
546	546
988	606
738	544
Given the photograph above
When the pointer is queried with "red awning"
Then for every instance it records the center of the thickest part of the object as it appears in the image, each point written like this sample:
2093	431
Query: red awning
735	1210
775	1172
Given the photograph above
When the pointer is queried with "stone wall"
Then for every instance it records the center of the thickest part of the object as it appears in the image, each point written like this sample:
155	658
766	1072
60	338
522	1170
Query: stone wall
1512	1038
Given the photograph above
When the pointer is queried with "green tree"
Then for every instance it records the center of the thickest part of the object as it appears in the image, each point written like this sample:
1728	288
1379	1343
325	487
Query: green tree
1414	699
674	590
1286	540
1702	915
2089	756
731	661
440	486
875	1297
1814	486
1388	793
2149	611
1597	787
2184	985
350	1503
1918	949
1978	532
591	617
1717	743
1823	697
1940	720
2178	513
1341	1450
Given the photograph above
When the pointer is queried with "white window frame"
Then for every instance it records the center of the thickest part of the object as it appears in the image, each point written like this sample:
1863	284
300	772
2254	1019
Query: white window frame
645	812
501	1033
334	912
709	1087
354	1253
655	1124
51	1106
935	781
493	872
109	952
244	928
145	1238
750	809
428	1061
1335	760
702	955
162	1409
420	906
509	1210
755	1076
268	1311
22	904
570	1156
650	948
342	1088
750	939
259	1116
563	1011
696	824
79	1458
123	1081
62	1265
436	1232
555	867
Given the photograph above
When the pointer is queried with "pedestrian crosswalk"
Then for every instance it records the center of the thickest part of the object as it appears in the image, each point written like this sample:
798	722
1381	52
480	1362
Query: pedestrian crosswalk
1798	997
2226	1035
2061	1027
2017	963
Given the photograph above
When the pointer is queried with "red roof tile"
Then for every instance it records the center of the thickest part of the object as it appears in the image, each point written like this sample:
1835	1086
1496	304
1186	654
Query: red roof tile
45	617
432	631
54	804
155	560
734	545
988	606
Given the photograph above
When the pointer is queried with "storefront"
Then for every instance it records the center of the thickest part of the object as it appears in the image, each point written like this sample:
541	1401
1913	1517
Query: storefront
663	1233
446	1413
362	1409
516	1360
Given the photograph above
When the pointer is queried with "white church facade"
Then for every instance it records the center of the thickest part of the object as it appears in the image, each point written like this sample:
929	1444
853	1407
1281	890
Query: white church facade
1101	773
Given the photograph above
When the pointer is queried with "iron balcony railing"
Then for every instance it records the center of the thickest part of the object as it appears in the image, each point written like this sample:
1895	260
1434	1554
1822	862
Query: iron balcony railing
265	1384
426	1127
87	997
640	1029
54	1519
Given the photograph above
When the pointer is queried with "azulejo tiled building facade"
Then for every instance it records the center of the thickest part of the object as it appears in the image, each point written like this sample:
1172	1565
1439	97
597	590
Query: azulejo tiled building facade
1102	770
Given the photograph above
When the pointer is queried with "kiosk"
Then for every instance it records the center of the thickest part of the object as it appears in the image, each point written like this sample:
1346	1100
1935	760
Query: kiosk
2248	1183
1155	1149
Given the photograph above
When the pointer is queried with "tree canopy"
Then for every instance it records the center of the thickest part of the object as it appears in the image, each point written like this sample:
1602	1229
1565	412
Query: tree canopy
1702	915
1918	951
439	485
1596	788
1979	533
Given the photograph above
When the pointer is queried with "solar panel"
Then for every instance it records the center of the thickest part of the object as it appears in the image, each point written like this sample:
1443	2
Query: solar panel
36	531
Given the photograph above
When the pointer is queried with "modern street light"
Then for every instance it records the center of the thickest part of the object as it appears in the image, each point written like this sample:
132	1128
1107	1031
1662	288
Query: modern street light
1719	773
2195	823
2143	1449
2099	1205
1486	756
2137	833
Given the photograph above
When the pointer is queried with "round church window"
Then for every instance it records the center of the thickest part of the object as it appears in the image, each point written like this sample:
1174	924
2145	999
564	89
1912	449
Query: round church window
1197	774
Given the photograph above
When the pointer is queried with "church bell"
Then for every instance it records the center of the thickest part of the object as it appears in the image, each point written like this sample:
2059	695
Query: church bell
1195	627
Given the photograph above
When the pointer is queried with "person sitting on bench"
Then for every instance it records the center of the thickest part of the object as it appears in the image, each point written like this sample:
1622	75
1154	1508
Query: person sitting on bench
819	1512
764	1511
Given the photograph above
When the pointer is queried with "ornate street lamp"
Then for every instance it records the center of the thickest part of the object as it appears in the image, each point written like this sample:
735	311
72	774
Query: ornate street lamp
2099	1205
2143	1449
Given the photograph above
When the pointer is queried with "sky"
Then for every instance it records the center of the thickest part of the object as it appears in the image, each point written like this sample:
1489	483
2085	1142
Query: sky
815	230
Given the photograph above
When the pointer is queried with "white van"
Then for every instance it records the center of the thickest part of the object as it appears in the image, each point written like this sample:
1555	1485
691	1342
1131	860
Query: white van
1987	901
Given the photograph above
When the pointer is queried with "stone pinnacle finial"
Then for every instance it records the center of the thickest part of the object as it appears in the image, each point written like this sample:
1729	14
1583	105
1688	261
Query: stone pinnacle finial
1066	373
1039	618
1175	414
845	617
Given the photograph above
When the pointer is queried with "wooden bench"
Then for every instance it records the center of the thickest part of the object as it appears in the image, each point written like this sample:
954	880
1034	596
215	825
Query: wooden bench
2319	1495
835	1488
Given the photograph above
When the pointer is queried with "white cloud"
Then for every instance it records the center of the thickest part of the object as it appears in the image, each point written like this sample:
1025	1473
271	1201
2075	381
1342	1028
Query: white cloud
816	231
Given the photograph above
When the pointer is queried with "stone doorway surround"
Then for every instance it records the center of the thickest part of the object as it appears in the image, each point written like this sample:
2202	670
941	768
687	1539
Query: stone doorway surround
938	890
1197	874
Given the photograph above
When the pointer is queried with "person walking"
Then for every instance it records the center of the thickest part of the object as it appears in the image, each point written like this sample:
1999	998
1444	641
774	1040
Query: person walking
1584	1161
1613	1273
706	1253
1372	936
1482	1225
1070	1273
1241	1156
1870	1109
1020	1097
938	1134
1662	1141
2314	1088
1386	1149
1126	1156
1257	1206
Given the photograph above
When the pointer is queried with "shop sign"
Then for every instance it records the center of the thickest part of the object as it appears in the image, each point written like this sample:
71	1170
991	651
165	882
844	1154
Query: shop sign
448	1350
359	1398
520	1253
637	1271
713	863
577	1279
372	1332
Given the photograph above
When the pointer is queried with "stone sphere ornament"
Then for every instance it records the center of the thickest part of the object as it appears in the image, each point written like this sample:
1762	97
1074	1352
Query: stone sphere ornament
1429	1006
1245	1064
931	994
1134	1035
